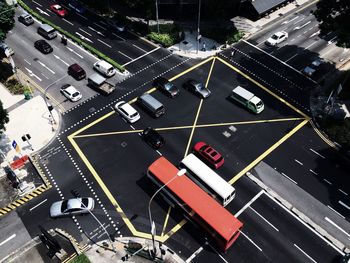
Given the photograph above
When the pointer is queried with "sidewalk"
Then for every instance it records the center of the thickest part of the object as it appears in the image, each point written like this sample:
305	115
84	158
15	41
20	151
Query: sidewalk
26	117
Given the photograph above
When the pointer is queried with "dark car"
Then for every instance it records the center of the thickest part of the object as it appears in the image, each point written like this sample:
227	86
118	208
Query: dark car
208	154
197	88
76	6
153	138
43	46
26	19
166	86
76	71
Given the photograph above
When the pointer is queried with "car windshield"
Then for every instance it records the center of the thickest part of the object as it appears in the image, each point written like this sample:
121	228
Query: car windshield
85	202
133	115
199	86
64	206
168	86
274	37
75	94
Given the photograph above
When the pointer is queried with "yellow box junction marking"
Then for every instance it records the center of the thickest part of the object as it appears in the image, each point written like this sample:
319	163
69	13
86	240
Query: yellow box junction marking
194	126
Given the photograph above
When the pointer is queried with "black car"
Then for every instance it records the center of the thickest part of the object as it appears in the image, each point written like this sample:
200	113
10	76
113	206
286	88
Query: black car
76	71
153	138
26	19
197	88
43	46
166	86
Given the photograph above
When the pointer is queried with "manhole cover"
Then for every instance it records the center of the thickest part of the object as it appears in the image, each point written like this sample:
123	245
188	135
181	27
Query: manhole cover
123	144
91	110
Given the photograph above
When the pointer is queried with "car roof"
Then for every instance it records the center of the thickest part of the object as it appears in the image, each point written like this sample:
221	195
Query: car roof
73	203
104	64
76	66
71	89
128	108
57	6
279	33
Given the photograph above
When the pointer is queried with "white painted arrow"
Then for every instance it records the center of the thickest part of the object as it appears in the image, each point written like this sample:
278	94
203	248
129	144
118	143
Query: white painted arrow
315	34
286	22
61	59
98	32
42	12
82	37
72	50
31	74
299	27
42	64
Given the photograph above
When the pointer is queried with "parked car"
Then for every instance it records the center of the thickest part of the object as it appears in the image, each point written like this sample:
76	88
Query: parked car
26	19
167	87
43	46
71	92
127	111
277	38
153	138
313	67
197	88
72	206
76	71
59	10
6	50
76	6
208	154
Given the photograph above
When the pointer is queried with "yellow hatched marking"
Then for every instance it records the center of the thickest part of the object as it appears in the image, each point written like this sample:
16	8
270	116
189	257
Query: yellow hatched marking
211	69
194	126
267	152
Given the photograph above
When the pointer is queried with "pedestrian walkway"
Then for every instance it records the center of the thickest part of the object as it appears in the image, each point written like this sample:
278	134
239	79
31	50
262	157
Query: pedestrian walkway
26	117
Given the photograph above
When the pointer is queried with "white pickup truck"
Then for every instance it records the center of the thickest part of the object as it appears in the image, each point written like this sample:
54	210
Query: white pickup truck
98	82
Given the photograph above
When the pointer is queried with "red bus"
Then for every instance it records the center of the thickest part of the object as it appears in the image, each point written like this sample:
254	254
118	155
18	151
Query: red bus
201	208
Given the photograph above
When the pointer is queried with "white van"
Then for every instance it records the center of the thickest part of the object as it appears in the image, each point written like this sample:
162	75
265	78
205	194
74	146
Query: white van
104	68
247	99
47	31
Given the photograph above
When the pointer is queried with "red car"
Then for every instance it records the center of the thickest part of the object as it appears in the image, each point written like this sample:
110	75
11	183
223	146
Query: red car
208	154
59	10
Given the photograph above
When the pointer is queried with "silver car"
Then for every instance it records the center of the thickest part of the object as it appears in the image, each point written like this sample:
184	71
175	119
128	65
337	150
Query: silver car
127	111
72	206
197	88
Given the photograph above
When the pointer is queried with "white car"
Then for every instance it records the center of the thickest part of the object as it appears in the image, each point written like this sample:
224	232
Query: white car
71	92
127	111
72	207
104	68
6	50
277	38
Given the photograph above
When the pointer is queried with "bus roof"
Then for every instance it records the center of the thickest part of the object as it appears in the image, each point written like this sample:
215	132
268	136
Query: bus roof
247	95
221	220
211	178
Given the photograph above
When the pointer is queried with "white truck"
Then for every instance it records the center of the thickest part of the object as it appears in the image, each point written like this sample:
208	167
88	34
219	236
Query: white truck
98	82
247	99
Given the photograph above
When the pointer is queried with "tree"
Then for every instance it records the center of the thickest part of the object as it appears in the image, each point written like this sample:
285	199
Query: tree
333	16
7	21
4	118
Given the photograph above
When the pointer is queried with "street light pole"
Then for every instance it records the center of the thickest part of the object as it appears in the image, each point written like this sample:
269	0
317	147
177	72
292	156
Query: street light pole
157	16
199	19
153	225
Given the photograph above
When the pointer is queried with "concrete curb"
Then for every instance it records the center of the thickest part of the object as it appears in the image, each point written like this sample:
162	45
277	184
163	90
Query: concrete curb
298	213
33	160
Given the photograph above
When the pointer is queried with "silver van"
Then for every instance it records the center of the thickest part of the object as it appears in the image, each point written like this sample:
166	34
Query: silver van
47	31
150	104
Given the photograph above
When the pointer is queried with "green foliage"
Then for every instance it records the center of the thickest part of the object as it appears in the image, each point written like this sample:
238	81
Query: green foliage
4	118
7	20
15	87
333	16
5	71
339	131
234	37
81	259
221	35
74	38
169	34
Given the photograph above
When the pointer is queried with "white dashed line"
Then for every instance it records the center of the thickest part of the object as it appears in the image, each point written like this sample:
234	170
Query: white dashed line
82	30
343	204
298	162
114	34
251	241
263	218
342	191
339	214
37	3
82	16
313	172
27	62
124	55
289	178
334	224
104	43
328	182
67	21
302	251
139	48
317	153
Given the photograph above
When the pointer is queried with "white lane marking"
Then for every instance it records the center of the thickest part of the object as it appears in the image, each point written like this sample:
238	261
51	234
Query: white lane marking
334	224
299	21
343	204
42	64
8	239
37	205
37	3
296	54
313	172
139	48
45	76
67	21
104	43
95	30
311	44
82	30
305	224
251	241
217	252
343	191
249	203
31	74
141	56
42	11
264	219
317	153
159	153
132	127
103	22
328	182
76	53
289	178
300	27
82	16
315	34
114	34
100	26
83	38
124	55
286	22
61	59
298	162
339	214
27	61
302	251
189	259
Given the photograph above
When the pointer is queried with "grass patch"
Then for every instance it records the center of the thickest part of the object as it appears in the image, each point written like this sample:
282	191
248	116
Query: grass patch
81	259
169	34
